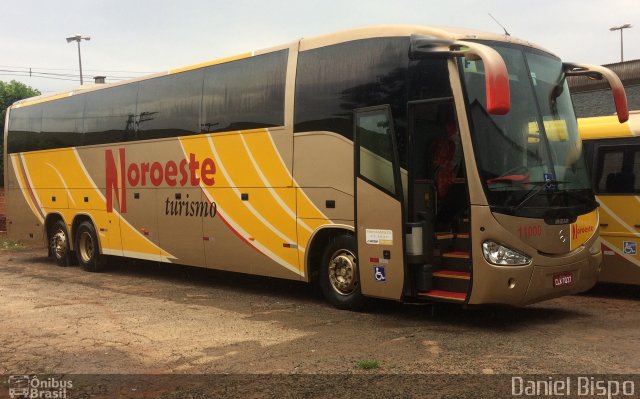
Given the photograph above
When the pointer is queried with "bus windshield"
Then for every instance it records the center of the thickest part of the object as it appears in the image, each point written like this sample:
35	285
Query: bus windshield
530	160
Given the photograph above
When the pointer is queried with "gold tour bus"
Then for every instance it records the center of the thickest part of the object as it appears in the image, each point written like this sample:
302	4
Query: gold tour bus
612	151
399	162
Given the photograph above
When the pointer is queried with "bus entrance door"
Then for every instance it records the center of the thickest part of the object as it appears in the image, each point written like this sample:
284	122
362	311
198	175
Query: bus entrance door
378	204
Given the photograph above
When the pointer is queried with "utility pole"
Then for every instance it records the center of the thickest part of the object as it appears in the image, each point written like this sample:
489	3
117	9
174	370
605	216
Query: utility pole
78	38
621	28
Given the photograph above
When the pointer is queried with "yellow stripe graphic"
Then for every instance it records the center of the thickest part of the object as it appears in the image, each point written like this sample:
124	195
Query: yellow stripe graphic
241	174
250	159
245	162
18	172
288	208
130	236
64	183
269	160
51	166
263	231
30	182
623	225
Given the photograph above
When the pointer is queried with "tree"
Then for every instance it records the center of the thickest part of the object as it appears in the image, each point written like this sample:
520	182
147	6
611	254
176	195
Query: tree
10	93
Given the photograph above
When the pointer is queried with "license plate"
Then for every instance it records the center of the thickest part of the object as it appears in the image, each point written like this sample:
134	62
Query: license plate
562	279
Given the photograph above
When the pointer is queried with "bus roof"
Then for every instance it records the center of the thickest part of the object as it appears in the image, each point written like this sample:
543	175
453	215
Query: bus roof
446	33
605	127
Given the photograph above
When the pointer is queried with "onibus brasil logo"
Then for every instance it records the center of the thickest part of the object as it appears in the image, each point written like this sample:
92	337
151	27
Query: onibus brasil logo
30	386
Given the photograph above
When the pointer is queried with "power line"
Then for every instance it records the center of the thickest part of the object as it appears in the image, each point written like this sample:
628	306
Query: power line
73	69
42	77
32	72
75	79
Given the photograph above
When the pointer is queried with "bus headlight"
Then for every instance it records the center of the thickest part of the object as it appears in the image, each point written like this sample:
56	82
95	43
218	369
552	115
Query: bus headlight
500	255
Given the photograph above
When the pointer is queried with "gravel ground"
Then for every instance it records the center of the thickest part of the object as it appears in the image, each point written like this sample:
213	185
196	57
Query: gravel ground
142	318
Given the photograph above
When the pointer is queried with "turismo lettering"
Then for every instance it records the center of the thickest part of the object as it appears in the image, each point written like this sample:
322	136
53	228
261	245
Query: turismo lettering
121	175
190	208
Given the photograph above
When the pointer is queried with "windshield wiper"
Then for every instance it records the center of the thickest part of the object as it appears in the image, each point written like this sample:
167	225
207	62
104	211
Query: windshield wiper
530	194
549	185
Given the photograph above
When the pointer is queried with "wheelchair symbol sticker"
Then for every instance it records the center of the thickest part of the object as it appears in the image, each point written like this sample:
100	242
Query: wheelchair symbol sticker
550	182
379	274
629	247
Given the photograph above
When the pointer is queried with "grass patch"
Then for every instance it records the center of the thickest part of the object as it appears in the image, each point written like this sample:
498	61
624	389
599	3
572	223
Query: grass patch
11	245
367	364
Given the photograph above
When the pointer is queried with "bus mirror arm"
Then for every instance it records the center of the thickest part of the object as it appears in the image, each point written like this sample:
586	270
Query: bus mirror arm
495	70
598	72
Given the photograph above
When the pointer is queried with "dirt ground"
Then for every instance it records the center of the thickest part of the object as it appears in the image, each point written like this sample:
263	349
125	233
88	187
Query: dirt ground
143	318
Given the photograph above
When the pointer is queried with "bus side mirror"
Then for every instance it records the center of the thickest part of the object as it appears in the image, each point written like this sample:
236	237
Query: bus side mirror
599	72
495	70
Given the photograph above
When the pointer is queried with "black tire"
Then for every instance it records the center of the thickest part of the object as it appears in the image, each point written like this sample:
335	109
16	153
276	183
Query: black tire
59	244
339	274
87	248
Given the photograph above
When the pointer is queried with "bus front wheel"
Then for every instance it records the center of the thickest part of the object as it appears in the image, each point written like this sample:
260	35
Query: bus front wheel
339	276
87	249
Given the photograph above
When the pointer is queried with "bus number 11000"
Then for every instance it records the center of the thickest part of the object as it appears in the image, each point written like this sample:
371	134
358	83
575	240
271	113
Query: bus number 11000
530	231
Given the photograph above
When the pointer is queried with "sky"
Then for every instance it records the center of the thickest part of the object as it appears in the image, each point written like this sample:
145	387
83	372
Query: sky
133	38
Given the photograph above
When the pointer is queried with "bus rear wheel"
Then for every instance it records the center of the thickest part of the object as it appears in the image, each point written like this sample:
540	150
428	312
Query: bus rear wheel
339	275
87	249
59	244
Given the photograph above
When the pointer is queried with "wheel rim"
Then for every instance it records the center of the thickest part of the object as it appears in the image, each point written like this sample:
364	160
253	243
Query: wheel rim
343	272
85	246
59	244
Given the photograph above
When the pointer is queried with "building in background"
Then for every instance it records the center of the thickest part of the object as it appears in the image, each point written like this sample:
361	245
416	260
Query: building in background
593	98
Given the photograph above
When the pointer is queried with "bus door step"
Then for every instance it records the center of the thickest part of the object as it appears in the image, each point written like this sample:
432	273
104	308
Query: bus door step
452	281
445	295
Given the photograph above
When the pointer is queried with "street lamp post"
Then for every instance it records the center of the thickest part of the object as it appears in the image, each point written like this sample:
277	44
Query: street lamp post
620	28
78	38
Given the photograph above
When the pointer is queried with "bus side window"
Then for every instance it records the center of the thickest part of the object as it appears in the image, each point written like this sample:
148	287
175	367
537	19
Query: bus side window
618	169
375	132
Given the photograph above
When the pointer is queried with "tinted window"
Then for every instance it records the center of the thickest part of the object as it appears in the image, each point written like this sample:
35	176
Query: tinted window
109	114
25	125
245	94
62	122
332	81
618	169
376	148
429	79
169	106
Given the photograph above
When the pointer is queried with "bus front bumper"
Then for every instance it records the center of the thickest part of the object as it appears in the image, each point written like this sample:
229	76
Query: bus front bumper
545	279
520	286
